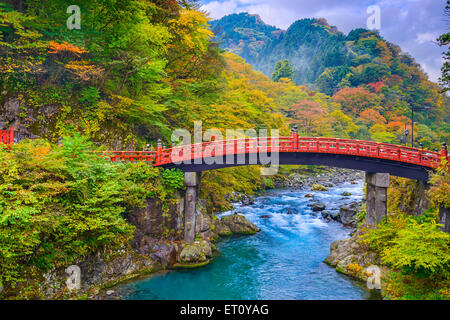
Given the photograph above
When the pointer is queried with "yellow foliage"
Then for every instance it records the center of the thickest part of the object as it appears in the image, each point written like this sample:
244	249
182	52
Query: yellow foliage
354	268
191	28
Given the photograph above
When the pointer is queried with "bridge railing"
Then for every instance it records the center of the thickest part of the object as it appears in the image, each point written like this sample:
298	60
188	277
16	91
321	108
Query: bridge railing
130	155
7	137
223	148
293	143
298	144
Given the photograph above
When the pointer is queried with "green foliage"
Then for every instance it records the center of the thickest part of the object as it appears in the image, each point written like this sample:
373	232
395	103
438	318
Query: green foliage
283	69
173	179
412	246
58	205
400	286
439	193
90	95
420	248
268	184
444	41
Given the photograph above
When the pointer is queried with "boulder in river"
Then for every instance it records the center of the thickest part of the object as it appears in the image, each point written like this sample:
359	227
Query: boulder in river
334	215
325	214
350	257
198	251
265	216
164	253
348	214
221	228
318	187
289	211
239	224
247	200
318	207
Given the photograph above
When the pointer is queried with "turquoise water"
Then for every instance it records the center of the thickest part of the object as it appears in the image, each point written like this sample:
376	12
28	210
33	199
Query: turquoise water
283	261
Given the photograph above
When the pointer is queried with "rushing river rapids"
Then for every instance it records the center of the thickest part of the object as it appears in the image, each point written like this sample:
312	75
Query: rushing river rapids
283	261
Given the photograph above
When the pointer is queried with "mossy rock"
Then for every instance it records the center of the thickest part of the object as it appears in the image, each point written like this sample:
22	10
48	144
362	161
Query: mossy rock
239	224
195	252
318	187
221	229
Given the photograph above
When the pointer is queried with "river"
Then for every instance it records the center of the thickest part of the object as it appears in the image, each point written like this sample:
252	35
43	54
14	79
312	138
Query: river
283	261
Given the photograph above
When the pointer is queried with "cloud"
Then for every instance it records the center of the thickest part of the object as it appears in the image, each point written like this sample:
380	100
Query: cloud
426	37
414	25
218	9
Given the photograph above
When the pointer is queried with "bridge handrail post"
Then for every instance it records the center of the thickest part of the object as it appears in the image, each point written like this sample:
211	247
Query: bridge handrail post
294	138
444	151
158	152
11	135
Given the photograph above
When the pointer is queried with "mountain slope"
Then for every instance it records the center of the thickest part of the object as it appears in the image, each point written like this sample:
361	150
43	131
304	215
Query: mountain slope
244	34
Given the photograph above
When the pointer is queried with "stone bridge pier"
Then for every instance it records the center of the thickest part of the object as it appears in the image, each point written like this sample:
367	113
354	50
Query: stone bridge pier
377	185
376	200
192	183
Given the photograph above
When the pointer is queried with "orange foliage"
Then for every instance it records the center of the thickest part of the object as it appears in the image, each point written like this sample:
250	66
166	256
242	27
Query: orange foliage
65	47
308	114
371	117
376	86
355	100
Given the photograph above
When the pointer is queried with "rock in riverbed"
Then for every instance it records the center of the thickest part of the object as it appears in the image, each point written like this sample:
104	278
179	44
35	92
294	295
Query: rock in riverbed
348	214
239	224
289	211
198	251
221	229
318	207
318	187
234	224
350	256
247	200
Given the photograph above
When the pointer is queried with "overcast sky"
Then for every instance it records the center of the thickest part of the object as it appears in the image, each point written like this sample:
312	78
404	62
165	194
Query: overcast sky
414	25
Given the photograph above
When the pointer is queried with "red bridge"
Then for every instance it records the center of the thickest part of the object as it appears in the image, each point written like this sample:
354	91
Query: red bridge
353	154
367	156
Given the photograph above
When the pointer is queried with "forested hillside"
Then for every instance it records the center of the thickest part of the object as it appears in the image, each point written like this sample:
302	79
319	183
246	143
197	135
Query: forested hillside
376	84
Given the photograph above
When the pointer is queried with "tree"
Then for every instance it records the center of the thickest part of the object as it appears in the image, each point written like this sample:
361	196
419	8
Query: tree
370	117
444	40
330	79
283	69
343	125
370	72
378	133
356	100
308	114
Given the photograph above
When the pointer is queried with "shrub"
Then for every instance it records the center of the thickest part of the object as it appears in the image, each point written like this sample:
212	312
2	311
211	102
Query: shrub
413	247
59	204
